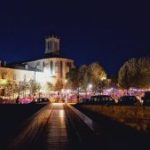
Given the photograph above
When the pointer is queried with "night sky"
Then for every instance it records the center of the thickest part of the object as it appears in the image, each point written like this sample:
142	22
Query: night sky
109	32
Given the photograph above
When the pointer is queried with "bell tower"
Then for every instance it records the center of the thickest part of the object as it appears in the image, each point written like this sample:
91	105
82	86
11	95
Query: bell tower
52	45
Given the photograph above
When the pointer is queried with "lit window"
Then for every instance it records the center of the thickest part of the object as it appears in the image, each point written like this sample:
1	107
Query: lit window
57	67
24	77
14	77
3	75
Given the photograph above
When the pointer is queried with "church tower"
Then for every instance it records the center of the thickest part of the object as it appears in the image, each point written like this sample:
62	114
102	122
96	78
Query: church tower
52	46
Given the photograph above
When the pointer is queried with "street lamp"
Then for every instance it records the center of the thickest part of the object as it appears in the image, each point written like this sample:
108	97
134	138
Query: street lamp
90	86
66	81
103	78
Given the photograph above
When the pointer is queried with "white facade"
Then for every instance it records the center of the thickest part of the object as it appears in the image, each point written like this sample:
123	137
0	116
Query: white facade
46	70
47	74
55	68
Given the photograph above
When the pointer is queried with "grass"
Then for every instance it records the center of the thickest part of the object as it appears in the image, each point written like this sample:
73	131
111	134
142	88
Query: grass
134	116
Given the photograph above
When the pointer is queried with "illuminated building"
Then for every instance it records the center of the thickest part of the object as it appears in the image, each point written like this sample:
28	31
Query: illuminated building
50	68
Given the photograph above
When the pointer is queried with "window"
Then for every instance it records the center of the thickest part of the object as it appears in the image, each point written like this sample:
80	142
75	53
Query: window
50	45
61	69
14	77
69	66
3	75
51	65
57	67
43	64
56	46
24	77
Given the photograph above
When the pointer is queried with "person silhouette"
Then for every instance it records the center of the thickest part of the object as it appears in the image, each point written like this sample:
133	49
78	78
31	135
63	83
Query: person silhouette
17	100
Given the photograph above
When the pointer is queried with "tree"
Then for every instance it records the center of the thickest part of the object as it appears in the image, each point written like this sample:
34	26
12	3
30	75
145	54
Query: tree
34	87
3	74
23	87
135	73
15	88
50	86
58	85
80	78
114	81
9	88
73	78
142	73
97	75
84	77
103	84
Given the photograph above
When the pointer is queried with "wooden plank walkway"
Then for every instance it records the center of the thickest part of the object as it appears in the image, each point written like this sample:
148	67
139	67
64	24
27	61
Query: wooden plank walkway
57	135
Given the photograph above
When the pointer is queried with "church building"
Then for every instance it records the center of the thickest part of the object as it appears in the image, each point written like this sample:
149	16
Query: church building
48	69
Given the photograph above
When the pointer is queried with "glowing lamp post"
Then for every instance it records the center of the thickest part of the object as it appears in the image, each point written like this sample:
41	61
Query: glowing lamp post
89	89
90	86
103	78
3	82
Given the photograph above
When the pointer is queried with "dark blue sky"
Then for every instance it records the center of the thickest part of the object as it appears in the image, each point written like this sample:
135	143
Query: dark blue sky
90	30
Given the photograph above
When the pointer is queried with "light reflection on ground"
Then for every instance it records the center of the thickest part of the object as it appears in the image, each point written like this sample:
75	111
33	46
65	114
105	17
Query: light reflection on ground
31	128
